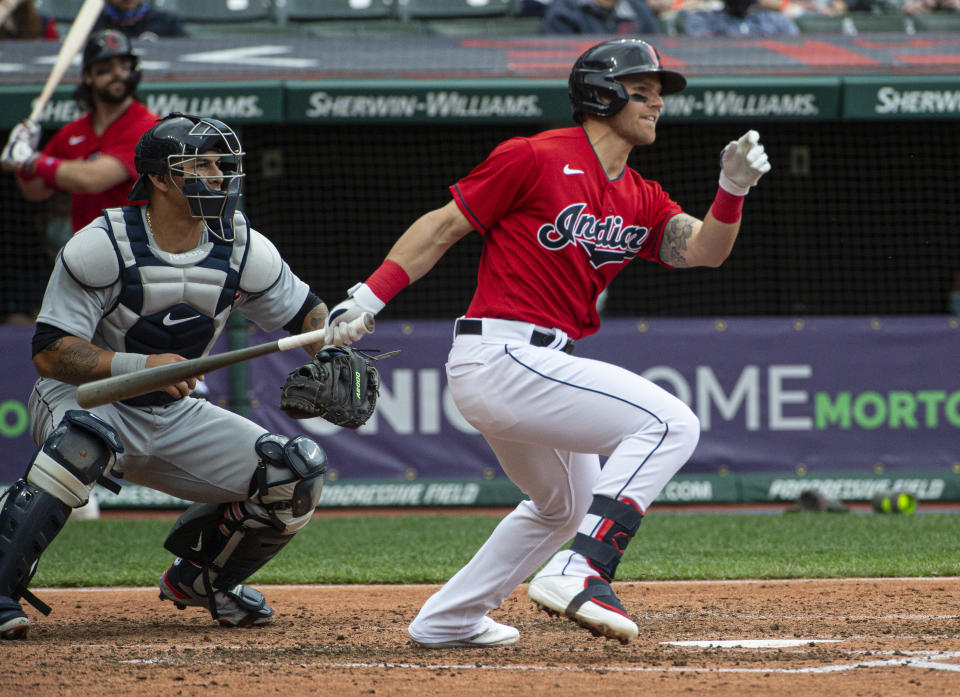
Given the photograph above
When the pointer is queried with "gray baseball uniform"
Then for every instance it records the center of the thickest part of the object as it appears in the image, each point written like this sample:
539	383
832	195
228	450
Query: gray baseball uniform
189	448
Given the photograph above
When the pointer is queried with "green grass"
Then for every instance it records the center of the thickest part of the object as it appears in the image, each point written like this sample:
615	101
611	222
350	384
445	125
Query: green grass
429	549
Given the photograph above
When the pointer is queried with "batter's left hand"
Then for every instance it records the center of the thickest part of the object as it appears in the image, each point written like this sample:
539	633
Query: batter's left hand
742	163
361	300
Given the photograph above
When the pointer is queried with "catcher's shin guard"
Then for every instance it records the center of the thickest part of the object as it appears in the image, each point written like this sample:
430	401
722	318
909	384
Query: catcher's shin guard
29	520
603	550
229	542
64	470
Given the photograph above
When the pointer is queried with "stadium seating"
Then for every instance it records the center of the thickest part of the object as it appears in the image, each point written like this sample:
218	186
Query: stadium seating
306	10
60	10
437	9
937	21
342	17
854	23
209	18
468	17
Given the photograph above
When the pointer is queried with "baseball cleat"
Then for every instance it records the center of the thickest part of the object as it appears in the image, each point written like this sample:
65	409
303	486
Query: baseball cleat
588	601
240	606
494	634
13	621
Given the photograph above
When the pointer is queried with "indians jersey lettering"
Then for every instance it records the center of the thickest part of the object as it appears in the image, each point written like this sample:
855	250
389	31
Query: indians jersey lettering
606	240
556	229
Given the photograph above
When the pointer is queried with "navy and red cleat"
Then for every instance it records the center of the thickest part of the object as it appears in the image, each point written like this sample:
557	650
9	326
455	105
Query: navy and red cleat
588	601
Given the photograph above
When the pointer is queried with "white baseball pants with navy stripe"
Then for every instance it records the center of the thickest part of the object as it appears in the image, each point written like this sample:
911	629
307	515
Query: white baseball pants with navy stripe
549	416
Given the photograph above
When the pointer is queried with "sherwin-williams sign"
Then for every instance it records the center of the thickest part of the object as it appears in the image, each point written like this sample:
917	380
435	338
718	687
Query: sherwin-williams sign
851	403
746	99
895	98
705	99
233	102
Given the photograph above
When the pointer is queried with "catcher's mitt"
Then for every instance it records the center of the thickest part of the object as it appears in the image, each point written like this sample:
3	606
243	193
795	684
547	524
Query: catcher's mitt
339	384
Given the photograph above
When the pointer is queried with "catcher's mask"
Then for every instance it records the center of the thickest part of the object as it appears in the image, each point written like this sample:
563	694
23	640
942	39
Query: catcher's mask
594	86
177	145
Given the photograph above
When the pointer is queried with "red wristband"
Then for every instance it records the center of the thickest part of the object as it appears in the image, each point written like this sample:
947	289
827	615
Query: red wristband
726	207
388	280
46	168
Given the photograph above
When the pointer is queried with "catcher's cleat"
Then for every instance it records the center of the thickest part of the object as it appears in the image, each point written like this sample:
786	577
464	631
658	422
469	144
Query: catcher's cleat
13	621
589	601
240	606
493	635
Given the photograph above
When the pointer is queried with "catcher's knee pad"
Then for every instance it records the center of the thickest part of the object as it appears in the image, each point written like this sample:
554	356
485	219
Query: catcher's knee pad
289	479
231	541
620	522
74	457
29	520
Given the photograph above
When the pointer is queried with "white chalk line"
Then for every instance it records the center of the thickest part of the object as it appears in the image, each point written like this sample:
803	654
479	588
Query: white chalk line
926	660
382	586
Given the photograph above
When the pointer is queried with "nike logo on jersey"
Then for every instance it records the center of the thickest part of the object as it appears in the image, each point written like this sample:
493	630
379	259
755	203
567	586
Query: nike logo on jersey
605	240
169	321
73	140
567	169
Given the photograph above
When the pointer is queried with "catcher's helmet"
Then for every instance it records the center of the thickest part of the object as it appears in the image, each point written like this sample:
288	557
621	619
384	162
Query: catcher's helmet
109	43
594	87
179	139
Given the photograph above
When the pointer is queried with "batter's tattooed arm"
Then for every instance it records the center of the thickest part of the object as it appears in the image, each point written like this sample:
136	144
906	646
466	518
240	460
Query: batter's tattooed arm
678	231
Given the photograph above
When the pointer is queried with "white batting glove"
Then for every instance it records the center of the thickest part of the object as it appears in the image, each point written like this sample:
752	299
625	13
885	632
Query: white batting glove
21	145
361	299
742	163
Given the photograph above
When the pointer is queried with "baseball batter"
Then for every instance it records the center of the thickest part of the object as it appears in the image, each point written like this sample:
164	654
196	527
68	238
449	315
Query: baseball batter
92	156
149	285
561	214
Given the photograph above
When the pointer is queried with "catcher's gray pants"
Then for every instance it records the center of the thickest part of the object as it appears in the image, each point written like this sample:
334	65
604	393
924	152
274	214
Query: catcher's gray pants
190	448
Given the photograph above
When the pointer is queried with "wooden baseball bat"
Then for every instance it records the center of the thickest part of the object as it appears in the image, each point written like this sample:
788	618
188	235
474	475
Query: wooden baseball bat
72	43
119	387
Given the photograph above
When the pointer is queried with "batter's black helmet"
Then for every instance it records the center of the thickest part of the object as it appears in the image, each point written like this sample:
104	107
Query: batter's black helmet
109	43
594	86
180	138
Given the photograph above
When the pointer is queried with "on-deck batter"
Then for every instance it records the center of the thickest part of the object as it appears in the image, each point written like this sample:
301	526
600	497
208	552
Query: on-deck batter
561	215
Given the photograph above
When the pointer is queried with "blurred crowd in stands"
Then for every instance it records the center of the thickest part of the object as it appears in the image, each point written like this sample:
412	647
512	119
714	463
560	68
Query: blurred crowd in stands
150	20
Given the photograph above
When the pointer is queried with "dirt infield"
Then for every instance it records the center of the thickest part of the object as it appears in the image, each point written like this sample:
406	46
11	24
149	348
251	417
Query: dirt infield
837	638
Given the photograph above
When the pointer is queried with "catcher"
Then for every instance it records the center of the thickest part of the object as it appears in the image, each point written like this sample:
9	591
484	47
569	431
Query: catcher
150	285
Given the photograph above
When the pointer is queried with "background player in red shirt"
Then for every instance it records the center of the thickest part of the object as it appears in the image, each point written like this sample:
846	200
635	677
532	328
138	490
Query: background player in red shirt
91	157
561	213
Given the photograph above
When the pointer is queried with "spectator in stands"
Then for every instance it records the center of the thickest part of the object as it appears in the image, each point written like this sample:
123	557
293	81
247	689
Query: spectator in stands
92	156
739	18
915	7
24	22
138	19
600	17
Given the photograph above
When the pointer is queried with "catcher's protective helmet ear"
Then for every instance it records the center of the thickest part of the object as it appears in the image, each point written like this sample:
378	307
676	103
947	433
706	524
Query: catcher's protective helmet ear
179	138
594	87
109	43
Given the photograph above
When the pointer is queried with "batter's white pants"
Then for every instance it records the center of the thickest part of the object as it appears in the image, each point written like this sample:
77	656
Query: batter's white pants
548	416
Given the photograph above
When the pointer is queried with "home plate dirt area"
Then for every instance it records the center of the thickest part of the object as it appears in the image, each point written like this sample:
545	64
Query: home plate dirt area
835	638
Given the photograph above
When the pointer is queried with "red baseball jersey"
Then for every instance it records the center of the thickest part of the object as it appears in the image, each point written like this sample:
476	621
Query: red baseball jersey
77	141
556	229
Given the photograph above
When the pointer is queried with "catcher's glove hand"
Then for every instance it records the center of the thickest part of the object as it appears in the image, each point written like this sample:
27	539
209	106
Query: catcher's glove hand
339	384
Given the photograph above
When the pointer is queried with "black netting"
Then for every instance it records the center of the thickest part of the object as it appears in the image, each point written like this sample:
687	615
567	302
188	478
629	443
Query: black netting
855	218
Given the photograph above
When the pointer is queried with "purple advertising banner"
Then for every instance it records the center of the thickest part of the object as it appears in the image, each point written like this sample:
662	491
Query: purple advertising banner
817	395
